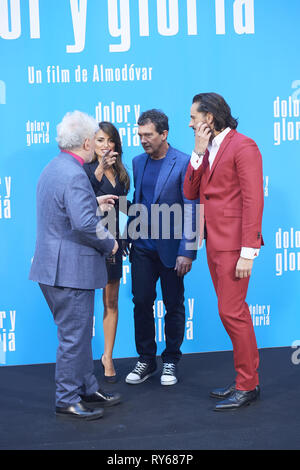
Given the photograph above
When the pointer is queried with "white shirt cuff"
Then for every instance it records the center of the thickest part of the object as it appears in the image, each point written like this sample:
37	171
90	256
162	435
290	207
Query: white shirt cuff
249	253
196	160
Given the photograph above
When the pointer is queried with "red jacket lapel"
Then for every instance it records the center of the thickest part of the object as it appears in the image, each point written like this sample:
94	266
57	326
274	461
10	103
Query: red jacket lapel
221	150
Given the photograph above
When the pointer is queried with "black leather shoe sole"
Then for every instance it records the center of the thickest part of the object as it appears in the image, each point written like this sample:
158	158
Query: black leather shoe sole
231	405
83	416
235	408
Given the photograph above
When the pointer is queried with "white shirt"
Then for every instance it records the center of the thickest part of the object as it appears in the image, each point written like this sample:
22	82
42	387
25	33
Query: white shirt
196	161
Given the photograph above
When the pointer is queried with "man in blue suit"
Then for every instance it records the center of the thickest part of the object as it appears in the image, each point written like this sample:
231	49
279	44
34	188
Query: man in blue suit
69	264
160	250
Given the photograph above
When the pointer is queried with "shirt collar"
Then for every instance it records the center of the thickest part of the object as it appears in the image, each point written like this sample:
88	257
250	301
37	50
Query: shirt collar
220	137
77	157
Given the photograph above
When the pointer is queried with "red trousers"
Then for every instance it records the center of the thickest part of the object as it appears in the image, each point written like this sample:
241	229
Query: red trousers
235	315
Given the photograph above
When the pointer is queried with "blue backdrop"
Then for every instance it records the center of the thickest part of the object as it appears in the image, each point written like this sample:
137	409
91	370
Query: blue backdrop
114	59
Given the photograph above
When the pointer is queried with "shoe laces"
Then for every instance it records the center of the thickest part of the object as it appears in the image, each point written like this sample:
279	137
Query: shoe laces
139	367
168	369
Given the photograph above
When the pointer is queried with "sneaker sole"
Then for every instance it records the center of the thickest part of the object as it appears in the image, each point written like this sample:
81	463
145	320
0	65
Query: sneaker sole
169	383
136	382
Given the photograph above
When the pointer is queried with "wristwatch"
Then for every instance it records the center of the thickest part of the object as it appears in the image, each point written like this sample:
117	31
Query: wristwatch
200	154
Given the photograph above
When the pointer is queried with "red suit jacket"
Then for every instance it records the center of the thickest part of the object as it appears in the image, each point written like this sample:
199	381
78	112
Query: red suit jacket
232	194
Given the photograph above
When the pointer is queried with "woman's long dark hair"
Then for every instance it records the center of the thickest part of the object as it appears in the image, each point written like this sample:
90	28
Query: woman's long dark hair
113	133
217	106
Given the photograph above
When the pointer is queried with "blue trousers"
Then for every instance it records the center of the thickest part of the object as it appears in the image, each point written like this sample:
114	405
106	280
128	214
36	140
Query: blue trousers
72	310
146	269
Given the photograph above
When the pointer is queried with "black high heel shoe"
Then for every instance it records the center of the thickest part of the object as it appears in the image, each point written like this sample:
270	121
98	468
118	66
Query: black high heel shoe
111	379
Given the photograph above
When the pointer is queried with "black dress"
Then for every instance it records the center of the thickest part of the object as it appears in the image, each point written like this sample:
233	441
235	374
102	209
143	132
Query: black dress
101	188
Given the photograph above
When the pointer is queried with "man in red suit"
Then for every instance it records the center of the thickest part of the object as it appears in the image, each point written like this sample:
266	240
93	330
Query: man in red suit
225	171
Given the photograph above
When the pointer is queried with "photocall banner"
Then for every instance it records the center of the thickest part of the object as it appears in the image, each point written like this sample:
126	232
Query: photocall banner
114	59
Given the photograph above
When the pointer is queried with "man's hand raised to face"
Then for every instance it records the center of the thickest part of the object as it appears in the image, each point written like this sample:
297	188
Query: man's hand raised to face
202	137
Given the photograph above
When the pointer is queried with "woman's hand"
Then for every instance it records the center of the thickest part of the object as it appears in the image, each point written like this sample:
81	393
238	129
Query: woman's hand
106	162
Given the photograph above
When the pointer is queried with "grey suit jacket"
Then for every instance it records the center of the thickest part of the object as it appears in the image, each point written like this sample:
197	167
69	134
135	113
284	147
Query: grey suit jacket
71	243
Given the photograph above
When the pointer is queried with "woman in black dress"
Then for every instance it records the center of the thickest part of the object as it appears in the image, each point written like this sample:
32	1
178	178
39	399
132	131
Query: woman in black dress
108	175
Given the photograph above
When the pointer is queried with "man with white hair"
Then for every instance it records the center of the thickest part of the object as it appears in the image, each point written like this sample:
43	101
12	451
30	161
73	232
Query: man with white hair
69	264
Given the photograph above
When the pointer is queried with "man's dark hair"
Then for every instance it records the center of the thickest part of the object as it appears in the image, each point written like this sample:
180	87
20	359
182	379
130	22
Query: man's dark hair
217	106
157	117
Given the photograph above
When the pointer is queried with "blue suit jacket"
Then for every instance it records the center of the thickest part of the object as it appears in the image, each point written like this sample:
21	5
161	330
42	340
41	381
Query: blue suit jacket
68	250
169	191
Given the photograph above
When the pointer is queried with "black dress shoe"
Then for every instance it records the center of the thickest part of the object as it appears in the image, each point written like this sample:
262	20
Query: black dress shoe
102	398
238	399
223	392
79	411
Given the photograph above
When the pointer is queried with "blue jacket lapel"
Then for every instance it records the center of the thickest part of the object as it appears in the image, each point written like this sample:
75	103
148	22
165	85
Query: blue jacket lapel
139	179
167	165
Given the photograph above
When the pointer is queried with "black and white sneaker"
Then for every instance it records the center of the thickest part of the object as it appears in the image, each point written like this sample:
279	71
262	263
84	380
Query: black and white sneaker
140	373
168	376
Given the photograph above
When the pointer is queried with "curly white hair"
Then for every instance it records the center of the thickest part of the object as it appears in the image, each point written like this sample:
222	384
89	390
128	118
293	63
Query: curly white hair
74	128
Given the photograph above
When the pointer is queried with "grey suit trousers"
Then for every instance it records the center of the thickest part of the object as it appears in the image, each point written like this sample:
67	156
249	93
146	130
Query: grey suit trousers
72	311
